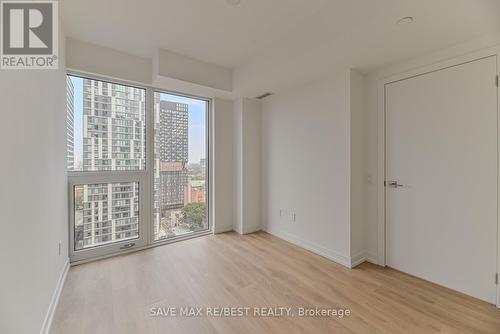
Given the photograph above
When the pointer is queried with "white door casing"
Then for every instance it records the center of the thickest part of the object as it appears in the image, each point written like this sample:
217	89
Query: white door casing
441	145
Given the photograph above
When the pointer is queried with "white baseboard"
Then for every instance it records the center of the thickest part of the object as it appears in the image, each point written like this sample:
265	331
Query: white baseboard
251	229
372	258
358	259
223	229
54	300
362	257
325	252
246	229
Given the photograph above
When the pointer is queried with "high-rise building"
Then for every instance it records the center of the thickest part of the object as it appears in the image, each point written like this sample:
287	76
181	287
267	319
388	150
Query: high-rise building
113	126
70	126
113	139
171	158
173	153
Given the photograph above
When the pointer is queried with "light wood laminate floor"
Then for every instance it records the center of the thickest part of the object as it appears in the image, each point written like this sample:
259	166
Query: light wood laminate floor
116	295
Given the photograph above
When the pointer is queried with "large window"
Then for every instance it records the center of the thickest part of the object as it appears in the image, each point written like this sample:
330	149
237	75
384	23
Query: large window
180	168
137	164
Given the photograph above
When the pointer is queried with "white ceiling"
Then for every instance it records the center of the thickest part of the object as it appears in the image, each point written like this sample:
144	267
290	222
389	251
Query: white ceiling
276	44
208	30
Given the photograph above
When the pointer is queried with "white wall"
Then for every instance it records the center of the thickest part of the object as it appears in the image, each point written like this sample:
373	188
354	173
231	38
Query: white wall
251	165
320	160
33	194
247	166
223	165
166	70
104	61
238	166
173	65
357	195
306	166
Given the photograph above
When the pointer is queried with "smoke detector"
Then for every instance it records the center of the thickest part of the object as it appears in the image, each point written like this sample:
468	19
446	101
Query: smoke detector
405	20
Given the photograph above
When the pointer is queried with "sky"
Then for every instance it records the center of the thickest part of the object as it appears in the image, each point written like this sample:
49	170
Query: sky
196	121
78	116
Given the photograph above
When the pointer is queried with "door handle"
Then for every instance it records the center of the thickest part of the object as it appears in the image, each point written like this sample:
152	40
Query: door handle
393	184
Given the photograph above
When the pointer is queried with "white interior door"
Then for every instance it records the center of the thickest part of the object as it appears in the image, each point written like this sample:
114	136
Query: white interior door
441	146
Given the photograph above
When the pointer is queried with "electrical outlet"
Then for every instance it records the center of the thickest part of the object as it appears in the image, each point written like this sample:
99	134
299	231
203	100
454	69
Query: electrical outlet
59	248
281	212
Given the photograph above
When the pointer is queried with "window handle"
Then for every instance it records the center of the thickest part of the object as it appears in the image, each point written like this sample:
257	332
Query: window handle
129	245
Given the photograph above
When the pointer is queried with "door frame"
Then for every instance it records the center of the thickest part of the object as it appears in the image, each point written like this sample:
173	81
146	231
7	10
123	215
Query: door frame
381	143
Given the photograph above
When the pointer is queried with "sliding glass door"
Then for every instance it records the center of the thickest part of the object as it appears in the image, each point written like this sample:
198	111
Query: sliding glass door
137	166
180	166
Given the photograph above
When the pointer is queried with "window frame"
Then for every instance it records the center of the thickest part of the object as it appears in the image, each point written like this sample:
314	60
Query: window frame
144	176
